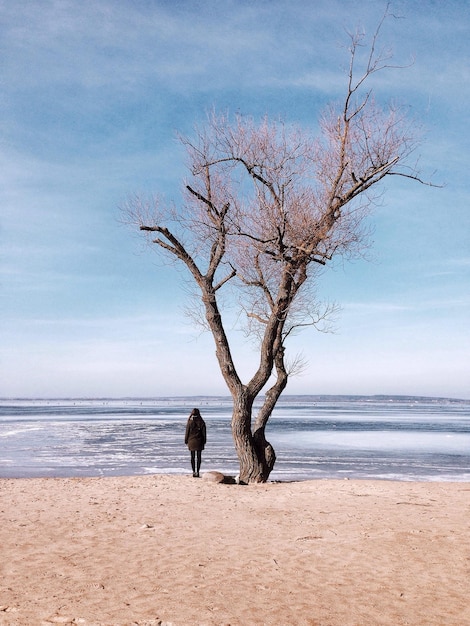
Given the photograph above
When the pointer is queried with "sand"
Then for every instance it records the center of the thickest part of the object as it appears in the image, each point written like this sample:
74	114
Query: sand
182	551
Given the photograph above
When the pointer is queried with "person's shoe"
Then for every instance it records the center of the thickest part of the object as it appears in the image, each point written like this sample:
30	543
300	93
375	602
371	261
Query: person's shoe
194	475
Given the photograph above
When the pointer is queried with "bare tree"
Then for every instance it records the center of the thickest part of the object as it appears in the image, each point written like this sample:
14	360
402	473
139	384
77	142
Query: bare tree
266	207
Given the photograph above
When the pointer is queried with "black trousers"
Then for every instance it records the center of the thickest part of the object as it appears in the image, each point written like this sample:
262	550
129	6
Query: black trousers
196	456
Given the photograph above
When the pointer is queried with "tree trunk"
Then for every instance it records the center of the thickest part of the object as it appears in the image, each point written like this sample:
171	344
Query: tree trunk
251	470
265	453
264	449
255	454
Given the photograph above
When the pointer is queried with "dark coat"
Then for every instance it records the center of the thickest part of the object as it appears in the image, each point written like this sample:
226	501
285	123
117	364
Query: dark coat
195	437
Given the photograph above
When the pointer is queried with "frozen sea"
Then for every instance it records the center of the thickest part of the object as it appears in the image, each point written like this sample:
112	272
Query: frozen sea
314	437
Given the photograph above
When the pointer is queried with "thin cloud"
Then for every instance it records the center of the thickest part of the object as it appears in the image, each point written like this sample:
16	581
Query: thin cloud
92	95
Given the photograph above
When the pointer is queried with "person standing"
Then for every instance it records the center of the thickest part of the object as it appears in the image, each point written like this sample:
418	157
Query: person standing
195	439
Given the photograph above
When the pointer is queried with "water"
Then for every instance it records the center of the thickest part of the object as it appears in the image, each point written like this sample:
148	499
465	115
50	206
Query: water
382	438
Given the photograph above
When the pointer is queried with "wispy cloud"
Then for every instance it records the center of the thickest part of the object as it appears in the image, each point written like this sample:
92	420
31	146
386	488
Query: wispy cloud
92	94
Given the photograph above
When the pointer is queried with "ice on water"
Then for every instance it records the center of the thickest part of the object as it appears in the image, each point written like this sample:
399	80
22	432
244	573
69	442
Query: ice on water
314	438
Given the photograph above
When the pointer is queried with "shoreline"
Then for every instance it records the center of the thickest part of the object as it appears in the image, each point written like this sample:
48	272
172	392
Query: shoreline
231	477
170	549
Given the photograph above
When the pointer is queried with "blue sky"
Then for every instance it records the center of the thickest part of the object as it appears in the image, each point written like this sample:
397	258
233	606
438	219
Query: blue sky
93	95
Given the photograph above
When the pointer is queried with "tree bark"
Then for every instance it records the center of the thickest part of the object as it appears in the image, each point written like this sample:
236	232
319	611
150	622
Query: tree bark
256	455
251	468
264	449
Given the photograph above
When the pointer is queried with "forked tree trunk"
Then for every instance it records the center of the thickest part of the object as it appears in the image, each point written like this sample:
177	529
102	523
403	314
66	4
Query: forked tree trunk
256	455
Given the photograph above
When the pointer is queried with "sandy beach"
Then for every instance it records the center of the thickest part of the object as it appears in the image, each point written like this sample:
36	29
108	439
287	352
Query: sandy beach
180	551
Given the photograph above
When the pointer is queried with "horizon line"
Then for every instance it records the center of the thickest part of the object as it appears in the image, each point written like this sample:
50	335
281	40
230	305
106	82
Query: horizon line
318	396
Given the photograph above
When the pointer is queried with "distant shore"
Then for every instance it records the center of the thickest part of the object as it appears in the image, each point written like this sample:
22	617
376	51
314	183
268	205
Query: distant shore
160	549
227	398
